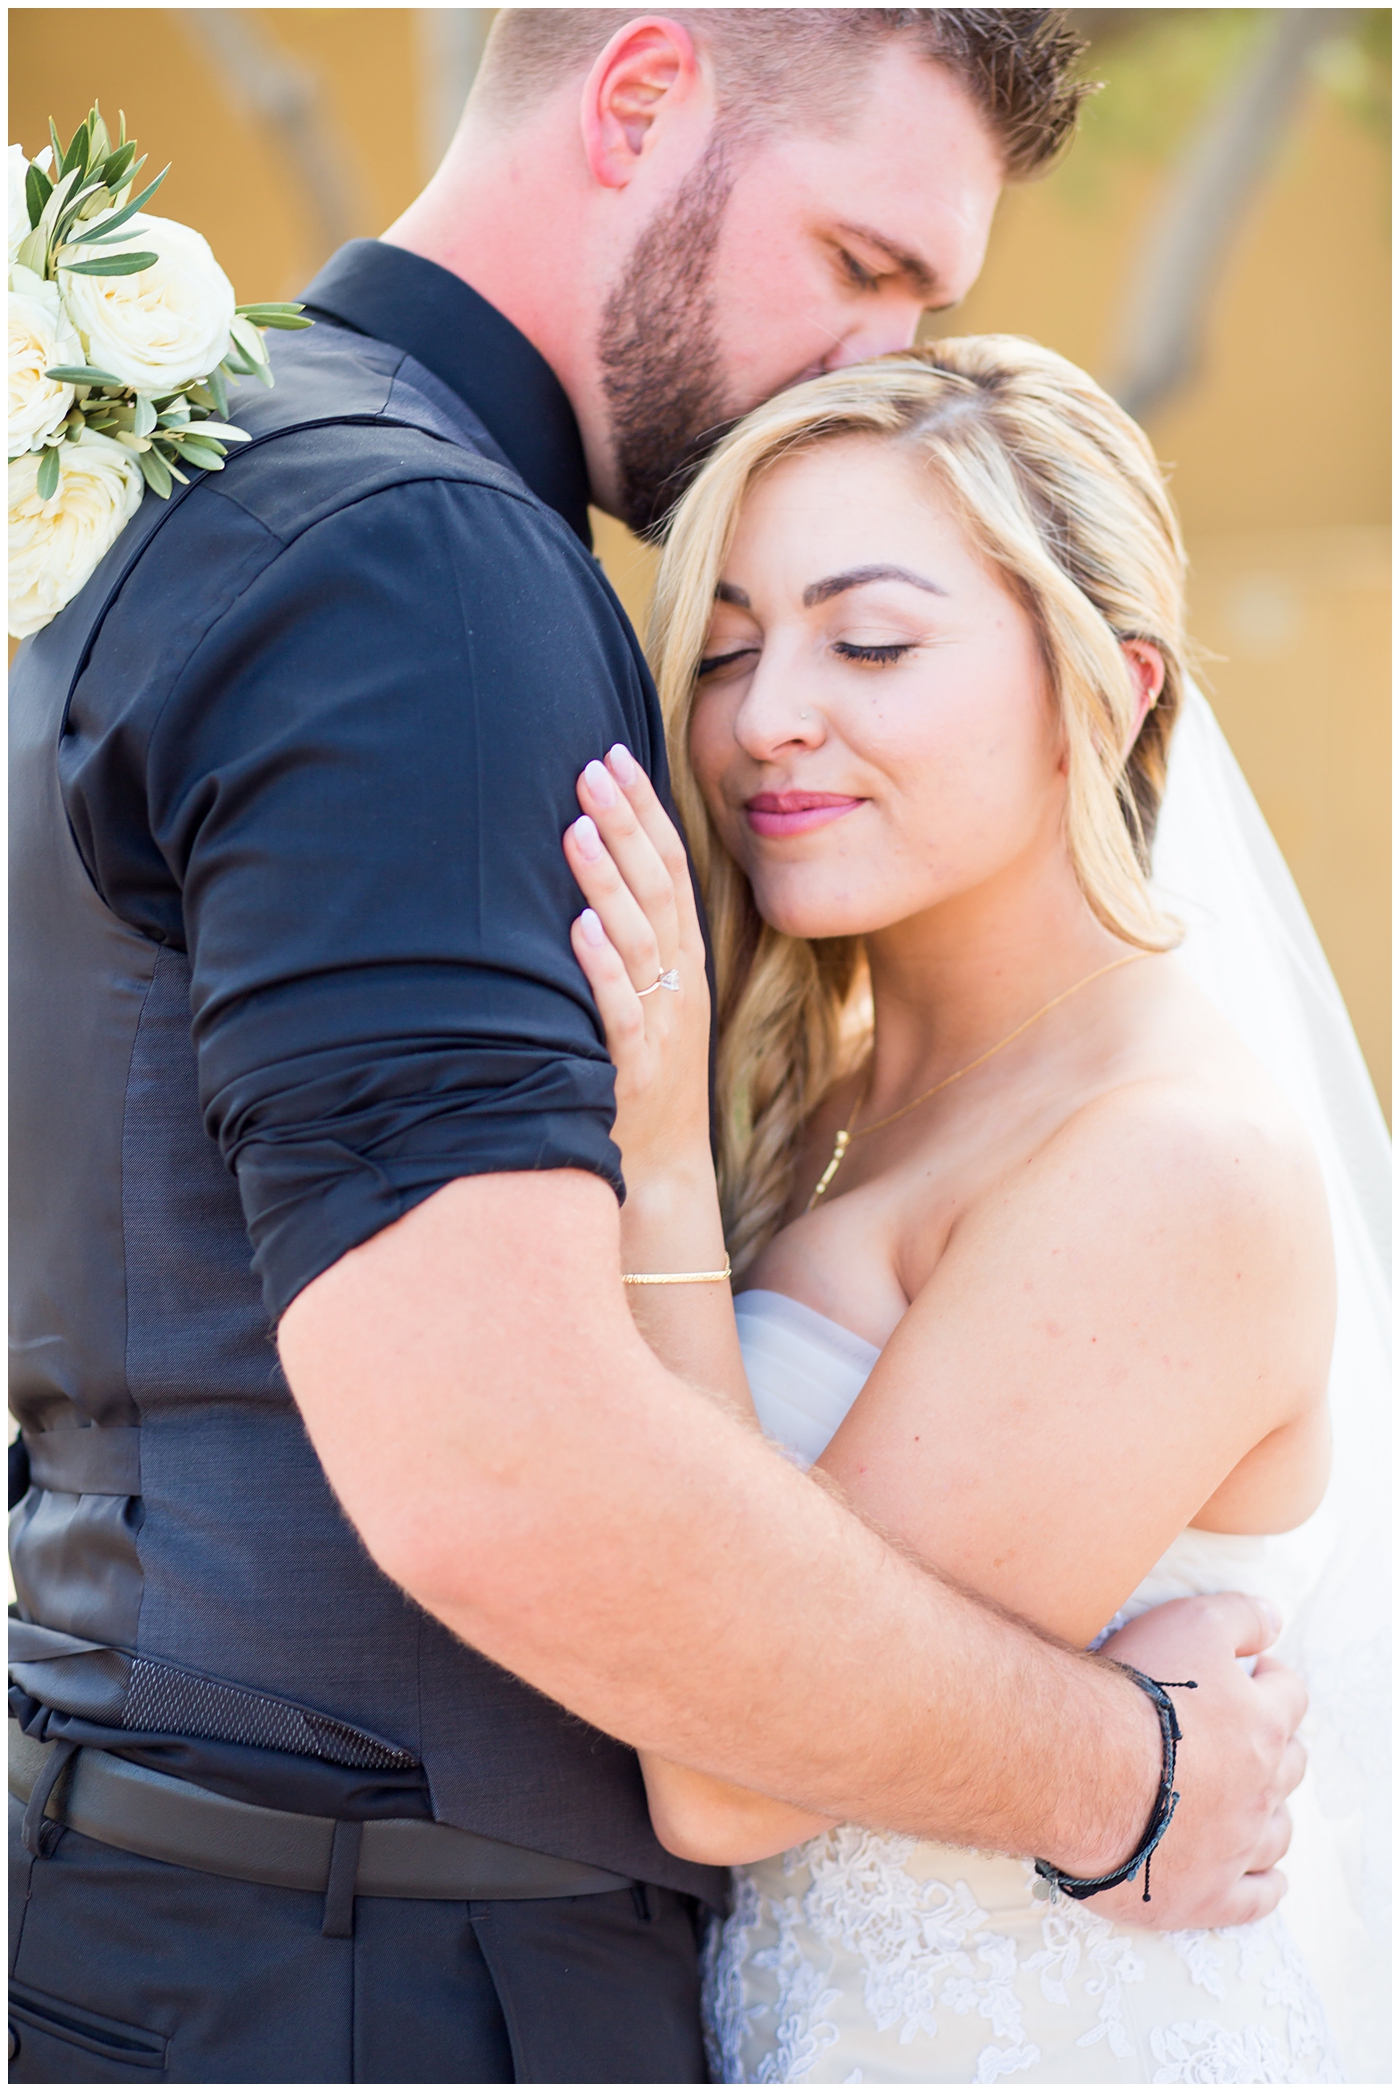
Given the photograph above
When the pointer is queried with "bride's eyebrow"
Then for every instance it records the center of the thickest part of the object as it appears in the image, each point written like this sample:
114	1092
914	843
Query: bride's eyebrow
726	592
857	577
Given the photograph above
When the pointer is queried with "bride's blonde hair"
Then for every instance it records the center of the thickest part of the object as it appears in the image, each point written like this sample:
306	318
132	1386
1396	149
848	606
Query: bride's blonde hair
1060	491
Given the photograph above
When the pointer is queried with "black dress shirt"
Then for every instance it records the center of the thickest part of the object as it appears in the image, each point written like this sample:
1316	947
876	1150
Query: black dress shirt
340	780
453	332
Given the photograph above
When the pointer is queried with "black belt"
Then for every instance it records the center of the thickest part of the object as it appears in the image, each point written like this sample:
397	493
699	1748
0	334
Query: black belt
140	1811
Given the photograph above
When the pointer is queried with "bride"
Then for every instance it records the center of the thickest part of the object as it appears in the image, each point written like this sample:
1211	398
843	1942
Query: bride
1032	1258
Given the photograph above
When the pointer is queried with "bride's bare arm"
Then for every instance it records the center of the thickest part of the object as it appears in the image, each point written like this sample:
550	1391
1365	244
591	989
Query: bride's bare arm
640	947
1106	1337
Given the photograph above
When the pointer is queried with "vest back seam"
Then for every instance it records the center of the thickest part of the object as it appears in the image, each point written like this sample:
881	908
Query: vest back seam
126	1272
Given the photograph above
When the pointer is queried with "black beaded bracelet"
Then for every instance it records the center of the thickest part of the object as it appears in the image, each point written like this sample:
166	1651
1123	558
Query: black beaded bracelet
1162	1812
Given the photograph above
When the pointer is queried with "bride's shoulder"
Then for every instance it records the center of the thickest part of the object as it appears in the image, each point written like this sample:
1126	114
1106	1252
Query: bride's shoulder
1176	1131
1190	1127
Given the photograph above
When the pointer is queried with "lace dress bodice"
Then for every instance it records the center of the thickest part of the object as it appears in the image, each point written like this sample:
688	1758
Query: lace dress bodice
864	1957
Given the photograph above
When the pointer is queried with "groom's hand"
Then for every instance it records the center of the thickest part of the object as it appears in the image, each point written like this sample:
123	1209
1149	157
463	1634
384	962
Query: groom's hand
1238	1761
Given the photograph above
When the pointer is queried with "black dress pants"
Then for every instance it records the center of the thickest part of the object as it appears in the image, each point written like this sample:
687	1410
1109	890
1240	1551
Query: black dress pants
125	1970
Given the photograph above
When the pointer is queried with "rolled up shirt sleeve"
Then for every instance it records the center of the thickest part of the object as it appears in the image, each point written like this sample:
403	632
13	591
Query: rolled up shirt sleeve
359	782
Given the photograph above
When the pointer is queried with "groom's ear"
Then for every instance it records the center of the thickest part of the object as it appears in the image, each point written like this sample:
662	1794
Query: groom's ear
647	71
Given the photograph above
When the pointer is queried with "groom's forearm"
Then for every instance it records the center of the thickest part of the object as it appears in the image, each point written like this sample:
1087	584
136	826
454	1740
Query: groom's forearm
513	1455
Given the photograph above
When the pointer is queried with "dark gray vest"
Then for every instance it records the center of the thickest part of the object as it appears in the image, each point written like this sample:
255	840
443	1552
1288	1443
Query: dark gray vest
183	1570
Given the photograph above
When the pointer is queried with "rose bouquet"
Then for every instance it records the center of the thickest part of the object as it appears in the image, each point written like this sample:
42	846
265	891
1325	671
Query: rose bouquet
124	336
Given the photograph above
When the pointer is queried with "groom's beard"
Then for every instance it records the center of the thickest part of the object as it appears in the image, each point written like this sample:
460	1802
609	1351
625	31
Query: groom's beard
659	349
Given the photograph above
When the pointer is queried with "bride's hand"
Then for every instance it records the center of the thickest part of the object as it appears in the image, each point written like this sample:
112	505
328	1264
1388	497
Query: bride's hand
1239	1761
638	934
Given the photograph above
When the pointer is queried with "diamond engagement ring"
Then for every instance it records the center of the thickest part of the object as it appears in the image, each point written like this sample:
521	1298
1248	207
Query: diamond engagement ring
668	979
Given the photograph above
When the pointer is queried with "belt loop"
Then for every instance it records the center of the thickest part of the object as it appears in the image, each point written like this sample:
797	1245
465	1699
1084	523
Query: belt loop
35	1828
339	1920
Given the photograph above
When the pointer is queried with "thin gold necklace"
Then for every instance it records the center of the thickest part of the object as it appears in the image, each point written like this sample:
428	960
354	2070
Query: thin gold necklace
854	1132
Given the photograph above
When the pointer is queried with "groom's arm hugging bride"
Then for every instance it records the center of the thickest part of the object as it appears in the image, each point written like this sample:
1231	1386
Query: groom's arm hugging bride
460	1639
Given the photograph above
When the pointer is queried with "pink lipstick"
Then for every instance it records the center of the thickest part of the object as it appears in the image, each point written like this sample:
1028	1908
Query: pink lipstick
796	813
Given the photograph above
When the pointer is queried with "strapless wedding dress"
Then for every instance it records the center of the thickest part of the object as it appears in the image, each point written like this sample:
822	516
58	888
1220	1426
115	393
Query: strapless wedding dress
861	1957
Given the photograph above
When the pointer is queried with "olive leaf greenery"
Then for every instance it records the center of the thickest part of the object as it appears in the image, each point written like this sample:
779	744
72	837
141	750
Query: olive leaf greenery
76	212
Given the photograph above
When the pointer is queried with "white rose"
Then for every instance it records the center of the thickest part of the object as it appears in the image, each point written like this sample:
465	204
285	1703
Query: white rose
55	544
19	208
40	336
167	326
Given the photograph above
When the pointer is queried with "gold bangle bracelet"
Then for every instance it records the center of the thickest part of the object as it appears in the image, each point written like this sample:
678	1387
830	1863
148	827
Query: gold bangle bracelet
678	1278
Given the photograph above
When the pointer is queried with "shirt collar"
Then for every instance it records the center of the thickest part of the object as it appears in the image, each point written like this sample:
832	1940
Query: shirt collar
455	333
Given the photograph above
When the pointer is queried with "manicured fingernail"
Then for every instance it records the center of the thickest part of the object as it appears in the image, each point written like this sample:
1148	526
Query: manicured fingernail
590	843
591	927
1271	1613
601	785
624	769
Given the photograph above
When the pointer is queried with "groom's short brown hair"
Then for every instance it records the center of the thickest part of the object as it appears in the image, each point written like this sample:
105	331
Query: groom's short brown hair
778	65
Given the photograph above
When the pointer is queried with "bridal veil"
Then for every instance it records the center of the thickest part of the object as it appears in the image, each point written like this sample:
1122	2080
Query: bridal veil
1250	946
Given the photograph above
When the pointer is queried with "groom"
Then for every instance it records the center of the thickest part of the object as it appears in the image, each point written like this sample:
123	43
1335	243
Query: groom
301	1044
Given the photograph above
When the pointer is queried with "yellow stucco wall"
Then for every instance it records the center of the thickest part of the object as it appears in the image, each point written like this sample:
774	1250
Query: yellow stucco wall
1280	442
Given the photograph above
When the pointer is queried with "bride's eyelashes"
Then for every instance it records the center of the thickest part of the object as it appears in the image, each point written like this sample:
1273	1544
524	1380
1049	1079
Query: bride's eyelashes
711	662
870	655
849	650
